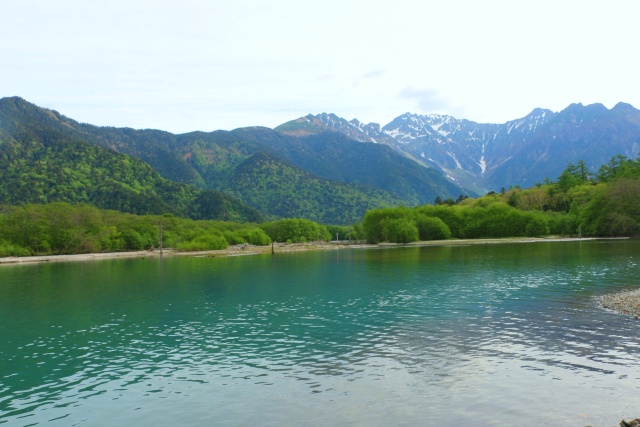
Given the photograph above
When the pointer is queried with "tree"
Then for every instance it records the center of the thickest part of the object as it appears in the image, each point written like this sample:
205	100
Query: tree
533	199
582	171
568	180
432	228
537	227
296	230
400	230
610	170
461	198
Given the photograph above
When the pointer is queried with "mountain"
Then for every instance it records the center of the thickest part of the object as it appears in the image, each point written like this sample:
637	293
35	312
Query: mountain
466	151
591	133
155	147
333	165
43	160
354	129
325	167
482	157
278	189
334	156
329	162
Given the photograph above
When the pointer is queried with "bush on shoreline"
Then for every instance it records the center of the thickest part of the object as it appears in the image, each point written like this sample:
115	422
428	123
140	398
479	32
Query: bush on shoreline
444	222
61	229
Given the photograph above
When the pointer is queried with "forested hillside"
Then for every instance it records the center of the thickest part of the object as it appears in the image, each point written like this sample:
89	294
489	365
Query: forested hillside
277	189
334	156
26	122
39	163
368	175
578	203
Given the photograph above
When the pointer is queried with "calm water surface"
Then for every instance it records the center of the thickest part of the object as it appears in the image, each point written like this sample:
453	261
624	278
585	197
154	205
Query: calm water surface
443	336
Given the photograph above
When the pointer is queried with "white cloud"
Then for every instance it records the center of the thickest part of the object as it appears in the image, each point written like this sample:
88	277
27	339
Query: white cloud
374	74
426	100
144	63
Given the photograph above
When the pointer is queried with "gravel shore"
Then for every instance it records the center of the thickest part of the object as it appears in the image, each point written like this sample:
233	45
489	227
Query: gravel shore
627	302
236	250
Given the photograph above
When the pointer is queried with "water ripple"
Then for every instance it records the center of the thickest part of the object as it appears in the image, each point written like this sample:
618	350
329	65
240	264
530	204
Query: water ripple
374	347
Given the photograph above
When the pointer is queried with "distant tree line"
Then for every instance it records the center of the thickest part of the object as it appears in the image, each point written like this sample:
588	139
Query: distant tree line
579	203
61	228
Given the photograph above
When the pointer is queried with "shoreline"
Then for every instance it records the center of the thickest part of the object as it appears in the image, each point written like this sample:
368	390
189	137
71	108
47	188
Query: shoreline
623	302
244	250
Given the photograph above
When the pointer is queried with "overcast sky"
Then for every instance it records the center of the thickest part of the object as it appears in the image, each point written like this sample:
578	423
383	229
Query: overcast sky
210	64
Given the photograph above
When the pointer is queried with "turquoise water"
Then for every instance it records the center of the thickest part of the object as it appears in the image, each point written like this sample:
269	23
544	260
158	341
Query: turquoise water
410	336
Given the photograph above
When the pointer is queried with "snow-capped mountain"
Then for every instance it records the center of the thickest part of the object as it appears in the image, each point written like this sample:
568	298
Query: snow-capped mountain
466	151
354	129
483	157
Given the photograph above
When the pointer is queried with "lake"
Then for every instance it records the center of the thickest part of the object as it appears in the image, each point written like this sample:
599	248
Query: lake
482	334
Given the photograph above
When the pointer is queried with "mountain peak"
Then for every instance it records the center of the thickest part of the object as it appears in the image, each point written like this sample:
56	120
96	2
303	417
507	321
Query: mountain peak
592	108
539	112
329	122
17	103
624	107
299	127
14	100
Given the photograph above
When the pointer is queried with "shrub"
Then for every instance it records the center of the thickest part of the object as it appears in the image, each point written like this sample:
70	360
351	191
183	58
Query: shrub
400	230
295	229
7	249
432	228
232	238
207	242
133	241
256	237
537	227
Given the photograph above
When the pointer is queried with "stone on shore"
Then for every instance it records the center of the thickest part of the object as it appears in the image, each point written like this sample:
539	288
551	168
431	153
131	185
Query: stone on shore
627	302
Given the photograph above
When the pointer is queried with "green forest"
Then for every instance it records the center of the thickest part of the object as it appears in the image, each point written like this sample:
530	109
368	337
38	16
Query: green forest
61	228
276	188
46	157
579	203
44	170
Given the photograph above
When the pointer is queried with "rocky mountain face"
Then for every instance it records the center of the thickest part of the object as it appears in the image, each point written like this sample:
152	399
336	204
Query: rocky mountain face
483	157
319	175
319	167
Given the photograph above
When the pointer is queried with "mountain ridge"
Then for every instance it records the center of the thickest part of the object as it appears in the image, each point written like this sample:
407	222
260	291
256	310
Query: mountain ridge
487	156
41	162
208	161
408	158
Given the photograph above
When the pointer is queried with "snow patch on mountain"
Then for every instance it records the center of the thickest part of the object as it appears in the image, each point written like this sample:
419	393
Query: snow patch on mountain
483	165
477	154
453	156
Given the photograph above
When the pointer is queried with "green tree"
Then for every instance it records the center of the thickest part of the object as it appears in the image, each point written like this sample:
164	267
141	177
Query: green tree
400	230
536	227
431	228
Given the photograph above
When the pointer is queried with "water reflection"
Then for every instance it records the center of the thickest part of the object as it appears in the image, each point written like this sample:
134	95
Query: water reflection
372	334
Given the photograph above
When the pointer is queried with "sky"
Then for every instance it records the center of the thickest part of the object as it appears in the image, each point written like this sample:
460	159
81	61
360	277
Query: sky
205	65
